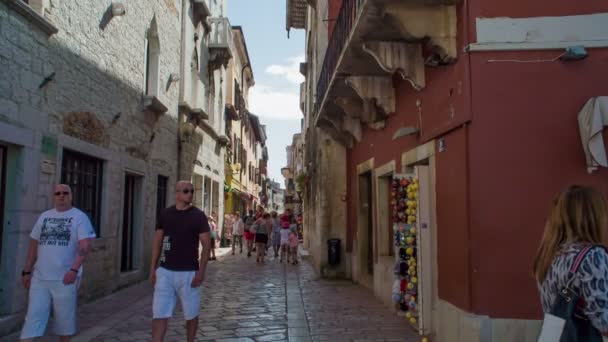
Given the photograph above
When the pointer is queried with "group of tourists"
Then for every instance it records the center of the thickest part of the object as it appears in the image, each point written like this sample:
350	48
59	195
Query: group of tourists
262	230
571	265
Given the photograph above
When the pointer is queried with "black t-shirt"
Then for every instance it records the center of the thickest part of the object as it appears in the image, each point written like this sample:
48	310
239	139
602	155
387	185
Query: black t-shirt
181	229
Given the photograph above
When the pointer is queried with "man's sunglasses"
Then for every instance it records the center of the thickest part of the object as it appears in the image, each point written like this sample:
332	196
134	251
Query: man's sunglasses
59	193
187	191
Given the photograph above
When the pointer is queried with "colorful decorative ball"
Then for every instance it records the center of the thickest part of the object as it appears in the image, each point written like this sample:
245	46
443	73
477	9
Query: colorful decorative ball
409	251
413	231
414	280
413	320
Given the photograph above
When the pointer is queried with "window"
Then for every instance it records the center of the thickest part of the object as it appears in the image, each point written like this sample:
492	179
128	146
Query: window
152	60
161	194
215	205
206	196
84	174
197	181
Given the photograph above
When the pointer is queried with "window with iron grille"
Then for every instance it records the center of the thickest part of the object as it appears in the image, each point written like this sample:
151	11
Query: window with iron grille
84	174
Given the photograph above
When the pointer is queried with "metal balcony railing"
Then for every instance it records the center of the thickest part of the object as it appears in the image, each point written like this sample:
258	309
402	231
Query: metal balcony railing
347	17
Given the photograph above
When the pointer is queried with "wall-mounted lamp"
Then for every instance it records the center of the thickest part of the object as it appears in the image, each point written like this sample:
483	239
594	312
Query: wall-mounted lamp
118	9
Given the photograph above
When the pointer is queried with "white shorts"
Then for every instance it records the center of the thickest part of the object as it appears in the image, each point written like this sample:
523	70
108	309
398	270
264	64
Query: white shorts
170	284
42	295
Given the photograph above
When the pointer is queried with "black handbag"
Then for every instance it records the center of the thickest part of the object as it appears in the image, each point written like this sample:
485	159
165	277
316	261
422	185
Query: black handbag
566	322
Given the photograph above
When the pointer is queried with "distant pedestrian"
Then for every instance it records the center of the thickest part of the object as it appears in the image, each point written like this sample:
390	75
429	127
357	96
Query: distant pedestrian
249	232
276	234
180	274
263	229
293	246
575	234
284	240
214	234
238	228
59	243
227	229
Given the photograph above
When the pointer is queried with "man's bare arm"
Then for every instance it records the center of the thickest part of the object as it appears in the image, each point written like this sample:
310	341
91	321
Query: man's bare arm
205	239
157	245
32	255
84	247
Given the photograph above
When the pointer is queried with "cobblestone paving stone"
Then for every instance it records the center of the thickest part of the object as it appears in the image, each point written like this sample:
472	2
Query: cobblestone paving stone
247	302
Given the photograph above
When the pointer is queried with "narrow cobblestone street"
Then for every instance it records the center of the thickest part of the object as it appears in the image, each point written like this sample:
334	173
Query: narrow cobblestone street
244	301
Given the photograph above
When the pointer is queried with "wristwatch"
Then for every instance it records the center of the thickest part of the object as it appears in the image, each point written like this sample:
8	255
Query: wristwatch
24	273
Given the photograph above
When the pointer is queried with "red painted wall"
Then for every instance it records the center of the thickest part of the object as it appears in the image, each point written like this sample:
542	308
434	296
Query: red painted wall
524	148
444	106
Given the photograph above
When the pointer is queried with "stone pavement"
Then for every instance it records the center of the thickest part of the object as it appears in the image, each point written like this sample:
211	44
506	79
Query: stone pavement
244	301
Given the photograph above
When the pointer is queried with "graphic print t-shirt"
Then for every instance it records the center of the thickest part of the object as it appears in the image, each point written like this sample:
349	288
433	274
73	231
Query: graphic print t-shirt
58	233
181	229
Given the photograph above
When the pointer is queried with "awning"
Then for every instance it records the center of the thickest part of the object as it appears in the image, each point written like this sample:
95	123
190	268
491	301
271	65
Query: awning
591	121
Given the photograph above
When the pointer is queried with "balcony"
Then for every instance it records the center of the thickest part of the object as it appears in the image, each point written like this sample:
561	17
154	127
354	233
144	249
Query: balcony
201	11
372	41
296	14
220	41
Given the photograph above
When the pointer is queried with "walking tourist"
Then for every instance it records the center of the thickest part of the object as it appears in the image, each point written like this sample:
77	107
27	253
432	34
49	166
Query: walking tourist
276	234
572	258
263	228
59	244
179	274
238	228
249	232
214	234
293	246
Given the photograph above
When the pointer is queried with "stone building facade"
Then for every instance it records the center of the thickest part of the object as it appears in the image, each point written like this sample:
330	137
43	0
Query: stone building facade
244	130
88	96
206	51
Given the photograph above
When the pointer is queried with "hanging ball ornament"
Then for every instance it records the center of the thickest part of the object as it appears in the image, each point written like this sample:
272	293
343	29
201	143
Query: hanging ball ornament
413	320
414	280
413	231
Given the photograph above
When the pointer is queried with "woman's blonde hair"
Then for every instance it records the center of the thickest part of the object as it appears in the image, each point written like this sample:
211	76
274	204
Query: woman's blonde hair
578	215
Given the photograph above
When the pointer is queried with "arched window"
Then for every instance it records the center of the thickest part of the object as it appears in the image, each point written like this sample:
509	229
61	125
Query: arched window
152	60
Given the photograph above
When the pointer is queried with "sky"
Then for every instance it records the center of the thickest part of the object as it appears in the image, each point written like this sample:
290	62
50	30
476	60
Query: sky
275	98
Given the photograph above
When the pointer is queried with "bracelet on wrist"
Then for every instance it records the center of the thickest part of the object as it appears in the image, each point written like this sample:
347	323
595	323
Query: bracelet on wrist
24	273
74	270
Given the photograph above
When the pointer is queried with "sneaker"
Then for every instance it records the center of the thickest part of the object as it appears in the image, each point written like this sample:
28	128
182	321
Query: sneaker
232	253
248	254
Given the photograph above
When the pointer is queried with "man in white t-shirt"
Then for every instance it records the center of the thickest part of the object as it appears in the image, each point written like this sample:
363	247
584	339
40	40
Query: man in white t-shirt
59	244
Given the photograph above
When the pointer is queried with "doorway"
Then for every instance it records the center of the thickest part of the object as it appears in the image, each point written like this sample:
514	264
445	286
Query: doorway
3	157
366	226
130	221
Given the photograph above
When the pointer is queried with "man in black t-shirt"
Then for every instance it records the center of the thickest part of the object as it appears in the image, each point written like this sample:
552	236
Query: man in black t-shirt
181	272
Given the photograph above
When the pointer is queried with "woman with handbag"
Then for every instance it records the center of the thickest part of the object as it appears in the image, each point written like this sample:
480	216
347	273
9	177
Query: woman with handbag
571	267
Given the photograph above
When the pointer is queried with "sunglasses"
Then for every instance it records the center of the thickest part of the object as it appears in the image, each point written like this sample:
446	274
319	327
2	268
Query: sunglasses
187	191
59	193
